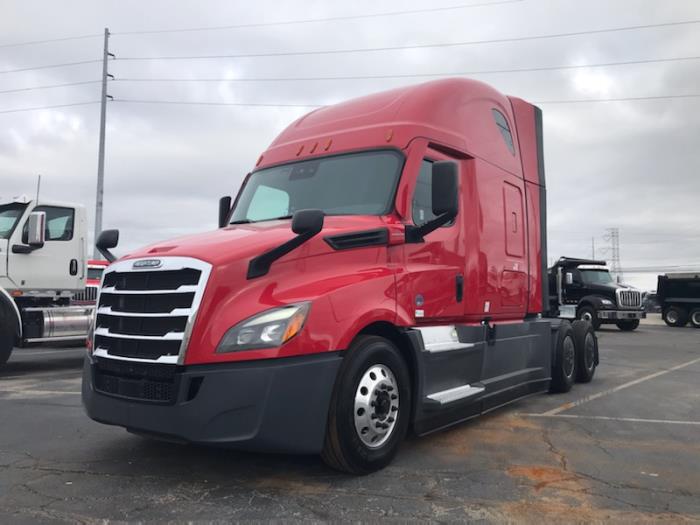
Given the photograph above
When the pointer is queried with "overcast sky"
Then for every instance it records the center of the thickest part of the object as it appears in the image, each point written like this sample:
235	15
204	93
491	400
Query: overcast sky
634	165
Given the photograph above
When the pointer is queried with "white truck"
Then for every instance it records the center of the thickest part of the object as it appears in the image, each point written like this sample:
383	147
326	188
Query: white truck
42	265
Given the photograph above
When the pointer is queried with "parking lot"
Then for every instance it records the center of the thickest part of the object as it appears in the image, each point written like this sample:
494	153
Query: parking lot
624	447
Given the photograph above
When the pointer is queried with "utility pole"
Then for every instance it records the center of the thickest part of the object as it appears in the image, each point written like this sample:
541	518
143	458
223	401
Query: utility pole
593	248
101	153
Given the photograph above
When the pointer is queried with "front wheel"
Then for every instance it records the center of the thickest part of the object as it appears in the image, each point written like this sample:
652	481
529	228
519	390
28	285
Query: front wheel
628	325
7	335
370	408
588	313
586	351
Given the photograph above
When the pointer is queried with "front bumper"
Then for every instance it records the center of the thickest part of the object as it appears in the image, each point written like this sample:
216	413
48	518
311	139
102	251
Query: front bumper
620	315
278	405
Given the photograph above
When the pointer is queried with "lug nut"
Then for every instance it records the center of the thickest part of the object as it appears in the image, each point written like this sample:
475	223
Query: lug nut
373	404
373	416
389	388
390	419
394	396
394	409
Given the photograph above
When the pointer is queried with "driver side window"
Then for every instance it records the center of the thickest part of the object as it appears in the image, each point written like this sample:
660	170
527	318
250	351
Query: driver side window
59	224
268	202
422	204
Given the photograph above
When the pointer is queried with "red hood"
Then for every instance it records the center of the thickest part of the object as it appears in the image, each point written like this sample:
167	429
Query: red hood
244	241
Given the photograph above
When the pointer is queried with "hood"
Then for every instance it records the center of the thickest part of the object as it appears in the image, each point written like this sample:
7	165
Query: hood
244	241
610	287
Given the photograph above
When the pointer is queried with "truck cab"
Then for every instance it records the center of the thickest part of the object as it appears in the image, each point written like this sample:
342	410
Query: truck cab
585	289
42	265
382	268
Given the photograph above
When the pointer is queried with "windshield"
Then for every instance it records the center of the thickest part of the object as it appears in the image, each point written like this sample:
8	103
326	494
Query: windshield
596	276
9	215
352	184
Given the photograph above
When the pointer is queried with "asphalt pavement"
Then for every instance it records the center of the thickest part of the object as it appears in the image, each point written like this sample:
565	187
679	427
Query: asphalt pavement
622	448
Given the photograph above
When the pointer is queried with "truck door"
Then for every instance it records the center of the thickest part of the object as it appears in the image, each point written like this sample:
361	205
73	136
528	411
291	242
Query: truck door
59	264
431	286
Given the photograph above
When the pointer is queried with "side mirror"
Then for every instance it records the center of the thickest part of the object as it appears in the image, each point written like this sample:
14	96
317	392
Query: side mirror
309	222
445	190
569	278
306	224
37	229
105	241
224	210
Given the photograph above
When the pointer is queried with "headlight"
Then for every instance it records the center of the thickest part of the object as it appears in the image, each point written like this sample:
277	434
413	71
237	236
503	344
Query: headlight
607	302
269	329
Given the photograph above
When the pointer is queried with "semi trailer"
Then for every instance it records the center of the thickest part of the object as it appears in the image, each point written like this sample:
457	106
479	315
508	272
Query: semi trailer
585	289
42	266
678	294
381	270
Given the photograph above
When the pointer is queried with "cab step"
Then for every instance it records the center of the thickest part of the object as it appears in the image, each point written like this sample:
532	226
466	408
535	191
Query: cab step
445	397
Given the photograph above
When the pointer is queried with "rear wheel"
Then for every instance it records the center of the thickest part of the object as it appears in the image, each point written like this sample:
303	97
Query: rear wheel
588	313
564	362
675	316
370	407
586	351
628	325
695	318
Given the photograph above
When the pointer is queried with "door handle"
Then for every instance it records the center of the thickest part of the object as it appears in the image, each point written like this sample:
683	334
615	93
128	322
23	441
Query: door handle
73	267
459	288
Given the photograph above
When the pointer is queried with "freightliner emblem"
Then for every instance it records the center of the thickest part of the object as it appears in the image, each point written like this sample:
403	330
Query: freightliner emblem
148	263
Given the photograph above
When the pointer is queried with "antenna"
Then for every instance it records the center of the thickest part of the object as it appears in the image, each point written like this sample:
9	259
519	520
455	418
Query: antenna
38	188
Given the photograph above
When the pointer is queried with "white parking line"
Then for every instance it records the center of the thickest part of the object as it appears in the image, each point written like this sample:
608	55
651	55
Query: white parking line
572	404
622	419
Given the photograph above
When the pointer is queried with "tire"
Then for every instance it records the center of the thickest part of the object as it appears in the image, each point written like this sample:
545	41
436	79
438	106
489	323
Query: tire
7	333
628	325
675	316
695	318
586	351
564	362
588	313
373	371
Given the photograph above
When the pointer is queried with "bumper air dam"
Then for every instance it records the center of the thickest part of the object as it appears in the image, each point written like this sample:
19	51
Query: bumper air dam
275	405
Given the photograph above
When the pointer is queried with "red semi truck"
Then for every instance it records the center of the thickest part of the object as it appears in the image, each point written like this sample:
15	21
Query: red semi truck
382	270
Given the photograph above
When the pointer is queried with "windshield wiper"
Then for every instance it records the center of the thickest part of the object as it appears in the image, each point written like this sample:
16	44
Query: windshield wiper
242	221
248	221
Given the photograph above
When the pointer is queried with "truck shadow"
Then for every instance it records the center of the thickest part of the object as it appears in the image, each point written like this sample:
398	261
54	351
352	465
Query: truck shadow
30	361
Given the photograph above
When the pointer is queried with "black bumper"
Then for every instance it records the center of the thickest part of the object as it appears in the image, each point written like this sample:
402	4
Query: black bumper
278	405
620	315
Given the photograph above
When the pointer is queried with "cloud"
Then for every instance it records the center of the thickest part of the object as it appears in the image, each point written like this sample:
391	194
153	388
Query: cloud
632	165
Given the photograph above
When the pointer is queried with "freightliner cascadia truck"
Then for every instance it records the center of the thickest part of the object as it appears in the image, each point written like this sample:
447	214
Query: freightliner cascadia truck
42	267
381	270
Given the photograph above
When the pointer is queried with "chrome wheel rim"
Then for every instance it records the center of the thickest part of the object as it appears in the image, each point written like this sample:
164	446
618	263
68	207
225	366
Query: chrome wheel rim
672	316
376	406
695	318
589	351
587	316
568	356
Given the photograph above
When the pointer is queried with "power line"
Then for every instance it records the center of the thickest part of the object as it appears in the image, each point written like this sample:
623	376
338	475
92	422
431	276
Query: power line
316	20
50	40
51	86
409	75
415	46
50	107
619	99
50	66
242	104
285	105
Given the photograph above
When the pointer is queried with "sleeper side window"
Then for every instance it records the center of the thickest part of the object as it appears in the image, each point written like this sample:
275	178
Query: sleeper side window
503	127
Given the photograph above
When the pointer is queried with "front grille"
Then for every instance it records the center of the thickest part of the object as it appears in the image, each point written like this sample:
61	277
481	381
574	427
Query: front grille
148	382
145	313
89	295
629	298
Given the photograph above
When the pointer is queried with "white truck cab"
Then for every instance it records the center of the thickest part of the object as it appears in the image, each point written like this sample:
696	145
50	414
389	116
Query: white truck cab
42	265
